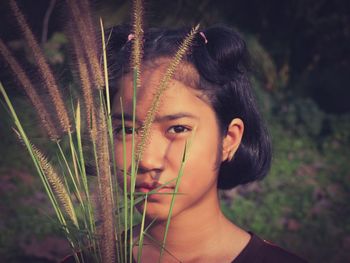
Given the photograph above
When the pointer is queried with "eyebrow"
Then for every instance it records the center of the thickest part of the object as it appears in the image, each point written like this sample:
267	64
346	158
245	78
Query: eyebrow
163	118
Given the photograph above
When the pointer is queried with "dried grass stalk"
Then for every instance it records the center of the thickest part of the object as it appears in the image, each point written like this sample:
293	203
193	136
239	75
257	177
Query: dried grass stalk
137	41
85	9
107	231
28	87
86	88
182	50
85	30
44	68
57	186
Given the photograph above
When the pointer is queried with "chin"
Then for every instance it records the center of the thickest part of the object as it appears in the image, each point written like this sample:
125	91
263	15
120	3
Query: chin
156	210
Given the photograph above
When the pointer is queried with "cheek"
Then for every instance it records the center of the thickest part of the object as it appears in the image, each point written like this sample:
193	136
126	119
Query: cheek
119	154
201	165
119	160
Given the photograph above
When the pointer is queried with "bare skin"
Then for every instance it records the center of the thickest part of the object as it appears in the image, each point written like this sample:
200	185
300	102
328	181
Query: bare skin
198	232
208	238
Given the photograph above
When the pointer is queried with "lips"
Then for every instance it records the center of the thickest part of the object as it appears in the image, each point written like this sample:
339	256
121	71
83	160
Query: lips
146	187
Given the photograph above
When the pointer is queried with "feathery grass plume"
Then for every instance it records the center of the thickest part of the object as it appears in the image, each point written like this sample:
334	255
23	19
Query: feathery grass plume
28	87
43	68
145	130
107	229
39	166
84	6
84	29
56	184
137	40
86	88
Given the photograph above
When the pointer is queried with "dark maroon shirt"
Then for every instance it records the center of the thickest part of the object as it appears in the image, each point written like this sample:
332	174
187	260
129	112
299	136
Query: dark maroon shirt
256	251
260	251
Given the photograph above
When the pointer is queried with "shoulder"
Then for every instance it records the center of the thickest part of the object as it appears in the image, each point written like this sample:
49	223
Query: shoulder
261	251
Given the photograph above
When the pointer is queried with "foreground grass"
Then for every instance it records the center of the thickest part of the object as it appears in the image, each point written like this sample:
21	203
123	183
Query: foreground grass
28	231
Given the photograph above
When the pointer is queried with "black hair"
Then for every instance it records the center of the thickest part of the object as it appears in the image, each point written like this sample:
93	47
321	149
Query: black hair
220	56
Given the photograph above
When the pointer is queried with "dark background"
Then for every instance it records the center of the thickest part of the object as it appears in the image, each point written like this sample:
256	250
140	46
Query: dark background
307	40
301	52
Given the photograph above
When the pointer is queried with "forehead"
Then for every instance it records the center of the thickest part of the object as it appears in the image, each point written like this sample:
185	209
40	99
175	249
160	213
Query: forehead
179	95
185	72
156	68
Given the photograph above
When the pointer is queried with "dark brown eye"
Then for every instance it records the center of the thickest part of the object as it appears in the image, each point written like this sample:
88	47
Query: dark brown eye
119	130
178	129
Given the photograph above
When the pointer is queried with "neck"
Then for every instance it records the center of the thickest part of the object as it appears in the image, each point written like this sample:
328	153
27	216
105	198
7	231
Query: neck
193	228
199	233
190	223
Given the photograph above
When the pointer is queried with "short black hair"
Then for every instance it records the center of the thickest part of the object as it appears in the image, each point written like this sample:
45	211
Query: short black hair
220	56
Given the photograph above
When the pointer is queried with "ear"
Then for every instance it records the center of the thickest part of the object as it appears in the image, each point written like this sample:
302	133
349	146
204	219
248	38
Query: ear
232	139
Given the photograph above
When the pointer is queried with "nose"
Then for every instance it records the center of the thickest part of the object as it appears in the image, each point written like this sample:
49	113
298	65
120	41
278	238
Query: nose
152	160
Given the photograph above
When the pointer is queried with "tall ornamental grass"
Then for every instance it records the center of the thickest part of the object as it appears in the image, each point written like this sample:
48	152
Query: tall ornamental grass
97	221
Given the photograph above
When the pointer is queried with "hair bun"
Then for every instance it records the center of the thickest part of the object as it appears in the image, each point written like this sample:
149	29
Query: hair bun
118	36
227	51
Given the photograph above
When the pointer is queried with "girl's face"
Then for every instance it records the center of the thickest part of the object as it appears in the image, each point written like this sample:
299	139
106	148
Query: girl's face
181	113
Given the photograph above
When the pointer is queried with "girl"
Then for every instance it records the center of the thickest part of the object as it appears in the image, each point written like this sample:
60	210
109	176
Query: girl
210	103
